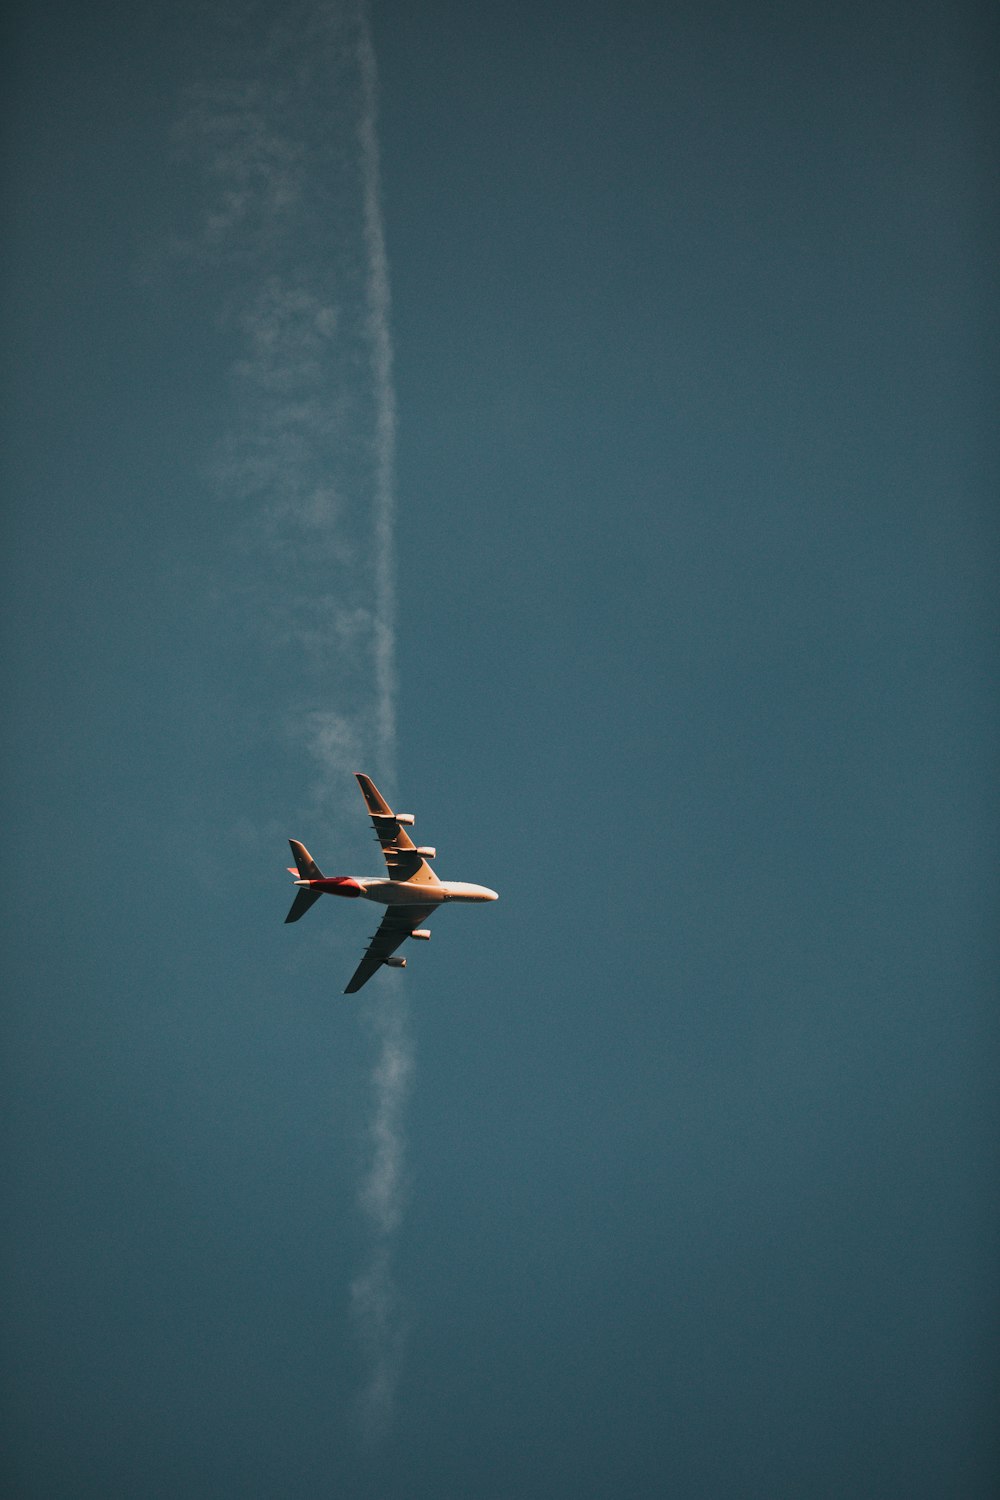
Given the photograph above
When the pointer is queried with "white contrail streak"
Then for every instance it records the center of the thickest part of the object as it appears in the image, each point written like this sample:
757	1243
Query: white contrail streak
374	1296
286	138
377	291
375	1299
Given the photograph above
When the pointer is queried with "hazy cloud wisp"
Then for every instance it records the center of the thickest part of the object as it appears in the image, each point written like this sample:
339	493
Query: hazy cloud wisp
285	141
374	1294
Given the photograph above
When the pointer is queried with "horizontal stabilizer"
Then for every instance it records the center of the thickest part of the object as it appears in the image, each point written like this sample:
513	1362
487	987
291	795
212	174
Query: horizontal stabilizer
304	898
307	866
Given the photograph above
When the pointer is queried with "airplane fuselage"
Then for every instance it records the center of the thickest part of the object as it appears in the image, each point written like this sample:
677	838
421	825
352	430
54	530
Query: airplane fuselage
410	892
400	892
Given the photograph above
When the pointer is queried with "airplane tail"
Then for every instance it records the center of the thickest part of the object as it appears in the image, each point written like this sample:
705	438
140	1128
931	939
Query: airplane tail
307	866
304	898
308	870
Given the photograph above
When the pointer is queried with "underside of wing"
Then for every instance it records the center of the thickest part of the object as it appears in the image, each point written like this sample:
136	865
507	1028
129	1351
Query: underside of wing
403	860
394	929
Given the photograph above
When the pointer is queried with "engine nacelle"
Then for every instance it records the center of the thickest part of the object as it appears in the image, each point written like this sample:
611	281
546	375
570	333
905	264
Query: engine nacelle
394	962
421	932
405	818
427	851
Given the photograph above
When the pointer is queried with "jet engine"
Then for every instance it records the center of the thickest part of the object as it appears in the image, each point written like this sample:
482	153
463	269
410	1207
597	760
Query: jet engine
421	932
427	851
394	962
406	818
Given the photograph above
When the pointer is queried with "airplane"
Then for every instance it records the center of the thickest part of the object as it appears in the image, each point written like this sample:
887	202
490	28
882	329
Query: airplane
411	893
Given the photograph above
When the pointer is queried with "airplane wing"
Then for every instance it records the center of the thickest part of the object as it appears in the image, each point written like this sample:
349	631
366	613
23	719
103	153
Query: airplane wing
395	928
402	859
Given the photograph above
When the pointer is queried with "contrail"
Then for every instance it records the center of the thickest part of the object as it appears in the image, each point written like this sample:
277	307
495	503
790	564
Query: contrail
374	1295
380	335
289	225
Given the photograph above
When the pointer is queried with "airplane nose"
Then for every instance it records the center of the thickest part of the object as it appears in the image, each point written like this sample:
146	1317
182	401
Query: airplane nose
492	895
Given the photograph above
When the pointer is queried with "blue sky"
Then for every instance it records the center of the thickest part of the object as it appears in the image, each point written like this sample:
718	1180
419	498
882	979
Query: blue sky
693	333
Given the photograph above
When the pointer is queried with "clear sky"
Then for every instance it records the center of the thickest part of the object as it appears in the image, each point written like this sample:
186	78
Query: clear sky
693	629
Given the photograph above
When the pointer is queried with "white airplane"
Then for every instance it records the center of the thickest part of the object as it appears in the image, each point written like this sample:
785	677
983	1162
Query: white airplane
410	894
